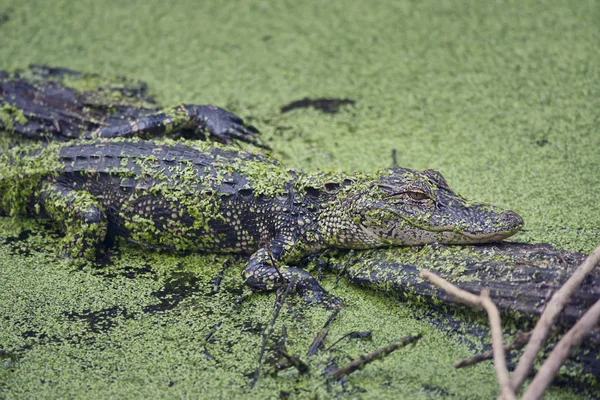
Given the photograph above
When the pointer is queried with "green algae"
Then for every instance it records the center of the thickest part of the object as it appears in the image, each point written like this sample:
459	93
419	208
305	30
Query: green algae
10	115
21	170
500	97
159	312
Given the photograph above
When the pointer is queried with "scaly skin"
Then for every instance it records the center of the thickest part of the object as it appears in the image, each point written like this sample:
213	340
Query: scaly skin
61	104
207	197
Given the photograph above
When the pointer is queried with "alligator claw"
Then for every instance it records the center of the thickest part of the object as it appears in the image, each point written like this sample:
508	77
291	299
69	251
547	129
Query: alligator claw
313	293
225	127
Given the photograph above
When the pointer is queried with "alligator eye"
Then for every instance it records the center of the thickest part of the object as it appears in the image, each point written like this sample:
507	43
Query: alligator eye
418	196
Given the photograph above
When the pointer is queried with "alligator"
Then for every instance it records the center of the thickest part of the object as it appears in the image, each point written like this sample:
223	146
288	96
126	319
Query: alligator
204	196
520	277
62	104
207	197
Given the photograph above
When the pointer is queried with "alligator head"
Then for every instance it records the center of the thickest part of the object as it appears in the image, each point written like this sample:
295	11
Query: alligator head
407	207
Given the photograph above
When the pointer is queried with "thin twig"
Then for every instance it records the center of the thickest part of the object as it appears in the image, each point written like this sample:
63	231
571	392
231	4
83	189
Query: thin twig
454	291
293	361
521	339
267	333
318	342
217	282
344	268
273	263
482	301
497	344
561	351
376	355
354	335
548	318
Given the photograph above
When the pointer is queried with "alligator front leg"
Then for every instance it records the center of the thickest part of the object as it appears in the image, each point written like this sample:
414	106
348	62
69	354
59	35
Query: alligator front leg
261	273
203	121
80	215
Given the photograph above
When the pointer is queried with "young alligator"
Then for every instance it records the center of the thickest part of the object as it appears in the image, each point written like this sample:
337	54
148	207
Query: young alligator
62	104
207	197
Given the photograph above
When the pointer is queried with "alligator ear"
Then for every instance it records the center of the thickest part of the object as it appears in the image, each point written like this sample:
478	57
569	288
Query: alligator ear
331	187
348	182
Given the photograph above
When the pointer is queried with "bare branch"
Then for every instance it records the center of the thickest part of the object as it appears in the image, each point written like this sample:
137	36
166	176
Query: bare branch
563	349
293	361
318	342
482	301
521	339
549	316
279	300
454	291
376	355
273	263
497	345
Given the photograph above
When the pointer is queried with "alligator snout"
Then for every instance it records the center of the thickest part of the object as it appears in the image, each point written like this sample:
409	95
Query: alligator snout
496	226
510	220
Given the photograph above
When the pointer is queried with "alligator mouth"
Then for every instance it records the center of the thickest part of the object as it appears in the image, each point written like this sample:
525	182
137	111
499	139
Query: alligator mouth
504	225
489	237
508	223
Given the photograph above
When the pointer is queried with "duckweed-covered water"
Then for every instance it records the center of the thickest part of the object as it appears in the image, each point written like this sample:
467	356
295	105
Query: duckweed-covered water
501	97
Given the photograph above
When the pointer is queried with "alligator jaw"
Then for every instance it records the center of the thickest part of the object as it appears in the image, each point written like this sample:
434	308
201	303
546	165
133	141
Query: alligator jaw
467	238
508	223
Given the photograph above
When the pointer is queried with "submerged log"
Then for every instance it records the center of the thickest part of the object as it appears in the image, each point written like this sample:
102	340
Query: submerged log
520	277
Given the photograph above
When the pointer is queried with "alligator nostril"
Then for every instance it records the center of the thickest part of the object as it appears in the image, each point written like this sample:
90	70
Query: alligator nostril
511	219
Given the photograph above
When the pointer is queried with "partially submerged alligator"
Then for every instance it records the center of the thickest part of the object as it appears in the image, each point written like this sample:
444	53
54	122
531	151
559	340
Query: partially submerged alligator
206	197
61	104
521	279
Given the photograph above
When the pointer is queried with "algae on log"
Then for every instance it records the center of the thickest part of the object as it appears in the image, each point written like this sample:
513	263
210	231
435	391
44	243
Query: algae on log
520	277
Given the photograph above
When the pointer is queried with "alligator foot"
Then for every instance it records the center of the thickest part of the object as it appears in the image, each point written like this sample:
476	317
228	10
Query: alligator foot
224	126
266	278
